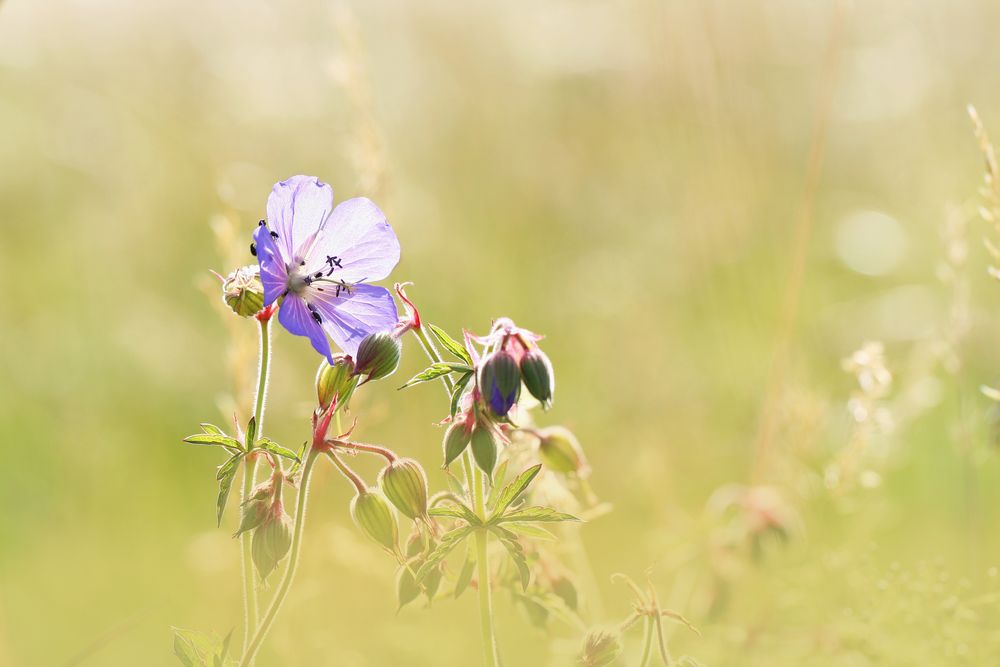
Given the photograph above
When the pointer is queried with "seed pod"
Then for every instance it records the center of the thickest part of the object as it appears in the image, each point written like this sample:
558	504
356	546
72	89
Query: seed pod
600	648
407	589
378	356
335	381
539	378
500	382
243	292
253	514
484	449
404	483
271	541
456	439
373	515
560	452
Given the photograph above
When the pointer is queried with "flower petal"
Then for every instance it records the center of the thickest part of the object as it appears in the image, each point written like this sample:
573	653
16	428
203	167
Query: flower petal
296	209
348	318
358	236
295	316
273	272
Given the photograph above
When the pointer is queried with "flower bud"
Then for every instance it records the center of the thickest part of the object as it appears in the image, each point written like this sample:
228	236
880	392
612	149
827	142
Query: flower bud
560	452
335	381
500	381
600	648
243	292
539	378
378	356
254	513
484	448
373	515
404	483
456	439
271	542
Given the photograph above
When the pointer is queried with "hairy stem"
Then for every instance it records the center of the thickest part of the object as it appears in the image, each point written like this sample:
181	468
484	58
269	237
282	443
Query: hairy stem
251	613
647	642
482	563
389	455
293	561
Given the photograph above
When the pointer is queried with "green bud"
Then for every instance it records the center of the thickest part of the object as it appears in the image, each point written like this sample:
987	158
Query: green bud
539	378
600	648
456	439
243	292
335	381
484	449
254	513
271	541
407	589
378	356
404	483
373	515
560	451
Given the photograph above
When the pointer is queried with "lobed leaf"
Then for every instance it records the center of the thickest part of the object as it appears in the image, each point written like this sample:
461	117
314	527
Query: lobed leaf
516	553
216	440
226	475
449	541
534	514
528	530
271	446
434	371
450	344
511	492
456	512
456	394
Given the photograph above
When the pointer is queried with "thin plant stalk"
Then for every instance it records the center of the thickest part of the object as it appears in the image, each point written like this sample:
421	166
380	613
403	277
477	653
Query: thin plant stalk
647	642
293	561
251	612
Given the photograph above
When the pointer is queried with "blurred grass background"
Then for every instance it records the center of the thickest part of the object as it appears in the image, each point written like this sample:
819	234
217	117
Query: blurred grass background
622	176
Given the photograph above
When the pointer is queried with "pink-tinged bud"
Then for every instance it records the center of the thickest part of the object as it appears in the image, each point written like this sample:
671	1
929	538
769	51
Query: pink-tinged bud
500	382
373	515
404	483
254	513
271	541
378	356
560	452
243	291
456	439
600	648
335	381
539	378
484	448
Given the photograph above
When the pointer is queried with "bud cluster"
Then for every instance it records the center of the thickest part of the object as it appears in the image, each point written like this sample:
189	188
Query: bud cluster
264	514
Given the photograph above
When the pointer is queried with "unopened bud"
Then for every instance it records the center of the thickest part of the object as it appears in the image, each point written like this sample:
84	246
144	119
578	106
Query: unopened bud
243	292
404	483
561	452
378	356
254	513
500	382
484	448
600	648
271	542
373	515
456	439
335	381
539	378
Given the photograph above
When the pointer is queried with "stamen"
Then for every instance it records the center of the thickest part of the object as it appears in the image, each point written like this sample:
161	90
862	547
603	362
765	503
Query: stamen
253	248
274	235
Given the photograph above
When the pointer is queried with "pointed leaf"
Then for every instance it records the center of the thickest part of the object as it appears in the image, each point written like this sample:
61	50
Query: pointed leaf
528	530
449	541
251	434
456	512
271	446
535	514
215	439
465	574
450	344
514	489
211	428
499	476
225	485
434	371
456	395
516	553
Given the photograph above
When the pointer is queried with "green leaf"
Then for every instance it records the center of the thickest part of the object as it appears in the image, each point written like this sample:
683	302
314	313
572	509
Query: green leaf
528	530
450	343
456	394
434	371
211	428
216	440
220	657
516	553
499	477
534	514
456	512
449	541
465	574
271	446
226	475
200	649
251	435
514	489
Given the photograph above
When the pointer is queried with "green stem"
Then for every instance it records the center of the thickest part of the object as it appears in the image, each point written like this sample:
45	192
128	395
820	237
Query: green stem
647	642
482	563
293	562
251	613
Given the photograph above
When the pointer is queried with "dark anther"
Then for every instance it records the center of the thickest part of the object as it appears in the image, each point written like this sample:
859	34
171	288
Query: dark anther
334	261
319	320
253	248
319	274
274	235
302	263
261	223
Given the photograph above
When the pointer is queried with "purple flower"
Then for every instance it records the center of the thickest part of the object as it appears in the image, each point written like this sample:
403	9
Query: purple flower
315	259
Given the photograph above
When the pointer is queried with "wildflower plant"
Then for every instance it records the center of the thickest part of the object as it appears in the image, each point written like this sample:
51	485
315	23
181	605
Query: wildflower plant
508	481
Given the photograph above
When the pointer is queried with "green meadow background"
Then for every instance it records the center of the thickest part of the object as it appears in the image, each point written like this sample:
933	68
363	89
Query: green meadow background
626	177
